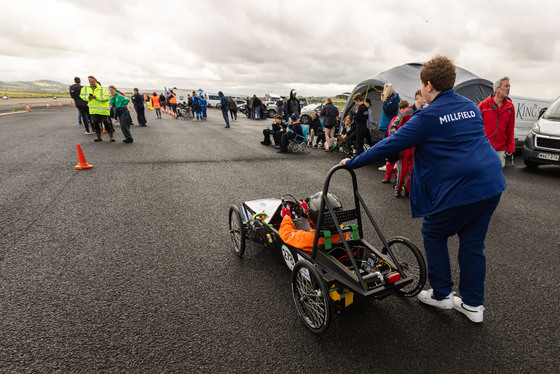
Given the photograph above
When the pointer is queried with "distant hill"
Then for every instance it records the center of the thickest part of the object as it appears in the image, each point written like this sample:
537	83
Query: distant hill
43	85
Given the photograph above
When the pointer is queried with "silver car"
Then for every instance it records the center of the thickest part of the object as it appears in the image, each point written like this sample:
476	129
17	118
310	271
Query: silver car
542	144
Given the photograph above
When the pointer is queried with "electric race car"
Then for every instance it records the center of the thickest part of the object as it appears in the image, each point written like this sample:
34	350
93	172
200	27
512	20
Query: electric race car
336	273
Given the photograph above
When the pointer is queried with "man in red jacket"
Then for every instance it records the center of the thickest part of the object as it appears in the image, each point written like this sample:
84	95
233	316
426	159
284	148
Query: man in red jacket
498	115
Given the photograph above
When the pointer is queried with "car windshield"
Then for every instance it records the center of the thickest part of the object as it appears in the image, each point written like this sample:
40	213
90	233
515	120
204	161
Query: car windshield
553	112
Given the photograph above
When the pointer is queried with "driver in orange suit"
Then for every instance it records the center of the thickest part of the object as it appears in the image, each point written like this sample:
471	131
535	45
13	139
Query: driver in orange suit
303	239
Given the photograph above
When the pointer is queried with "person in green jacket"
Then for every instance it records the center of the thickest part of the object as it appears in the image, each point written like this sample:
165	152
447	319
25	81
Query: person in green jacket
97	98
119	102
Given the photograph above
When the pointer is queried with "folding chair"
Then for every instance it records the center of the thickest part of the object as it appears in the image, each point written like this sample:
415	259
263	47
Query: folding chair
299	143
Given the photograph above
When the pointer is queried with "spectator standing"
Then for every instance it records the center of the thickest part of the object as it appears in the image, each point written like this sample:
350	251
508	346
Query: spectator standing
285	109
203	106
156	104
390	102
162	100
190	104
256	107
360	118
293	105
232	106
224	102
371	124
138	102
249	107
391	166
172	101
279	106
81	105
197	108
97	98
456	186
119	102
498	114
330	114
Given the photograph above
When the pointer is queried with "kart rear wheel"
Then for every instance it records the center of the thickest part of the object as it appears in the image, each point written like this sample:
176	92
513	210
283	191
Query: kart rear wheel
412	263
311	296
236	230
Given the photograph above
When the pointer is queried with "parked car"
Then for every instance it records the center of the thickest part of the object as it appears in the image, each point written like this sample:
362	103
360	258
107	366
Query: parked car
542	144
305	115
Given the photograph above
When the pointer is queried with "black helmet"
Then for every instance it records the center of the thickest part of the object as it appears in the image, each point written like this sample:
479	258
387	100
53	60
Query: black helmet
314	204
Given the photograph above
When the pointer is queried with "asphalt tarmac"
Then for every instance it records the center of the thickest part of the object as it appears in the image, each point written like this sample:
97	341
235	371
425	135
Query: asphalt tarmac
128	268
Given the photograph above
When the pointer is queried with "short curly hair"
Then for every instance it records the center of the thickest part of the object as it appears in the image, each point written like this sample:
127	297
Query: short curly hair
440	71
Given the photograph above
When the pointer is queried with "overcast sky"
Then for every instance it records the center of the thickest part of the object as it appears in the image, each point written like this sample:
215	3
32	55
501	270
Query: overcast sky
320	48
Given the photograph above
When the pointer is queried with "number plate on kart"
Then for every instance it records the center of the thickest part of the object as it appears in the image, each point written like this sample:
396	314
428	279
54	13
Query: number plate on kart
549	156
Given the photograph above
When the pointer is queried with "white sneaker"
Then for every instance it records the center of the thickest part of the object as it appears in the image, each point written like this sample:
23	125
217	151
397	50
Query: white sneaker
382	168
427	297
88	133
474	313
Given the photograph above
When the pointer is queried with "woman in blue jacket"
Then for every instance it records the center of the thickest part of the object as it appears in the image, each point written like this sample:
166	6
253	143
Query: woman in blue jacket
456	185
390	101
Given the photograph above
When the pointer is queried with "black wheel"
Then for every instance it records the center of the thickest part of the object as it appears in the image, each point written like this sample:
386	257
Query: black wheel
311	296
304	119
236	231
412	263
531	164
271	113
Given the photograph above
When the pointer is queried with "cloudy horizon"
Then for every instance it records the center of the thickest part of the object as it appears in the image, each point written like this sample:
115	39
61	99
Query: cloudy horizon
320	48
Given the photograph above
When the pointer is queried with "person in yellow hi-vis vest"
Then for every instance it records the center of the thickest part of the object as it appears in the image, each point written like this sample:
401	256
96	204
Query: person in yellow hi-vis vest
98	98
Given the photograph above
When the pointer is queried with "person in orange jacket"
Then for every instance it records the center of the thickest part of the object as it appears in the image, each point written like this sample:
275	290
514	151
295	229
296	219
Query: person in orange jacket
303	239
157	105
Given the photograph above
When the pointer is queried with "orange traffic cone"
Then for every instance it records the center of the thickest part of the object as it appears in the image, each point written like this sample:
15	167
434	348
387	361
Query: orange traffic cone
48	106
28	110
71	103
60	105
104	131
82	163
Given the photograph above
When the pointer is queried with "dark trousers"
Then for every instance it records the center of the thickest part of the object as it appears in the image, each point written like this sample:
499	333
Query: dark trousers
140	114
97	119
362	133
233	113
286	139
225	115
276	135
84	113
470	223
124	118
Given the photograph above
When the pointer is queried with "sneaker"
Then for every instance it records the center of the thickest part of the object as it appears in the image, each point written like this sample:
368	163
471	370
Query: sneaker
382	168
474	313
397	193
427	297
88	132
385	180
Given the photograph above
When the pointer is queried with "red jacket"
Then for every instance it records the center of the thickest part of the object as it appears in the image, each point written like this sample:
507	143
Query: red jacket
499	123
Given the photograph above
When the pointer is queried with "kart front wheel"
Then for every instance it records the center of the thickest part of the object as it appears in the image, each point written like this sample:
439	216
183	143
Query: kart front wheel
412	263
236	230
311	297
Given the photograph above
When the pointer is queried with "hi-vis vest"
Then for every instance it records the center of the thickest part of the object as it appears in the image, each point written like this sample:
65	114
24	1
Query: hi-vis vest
173	99
99	105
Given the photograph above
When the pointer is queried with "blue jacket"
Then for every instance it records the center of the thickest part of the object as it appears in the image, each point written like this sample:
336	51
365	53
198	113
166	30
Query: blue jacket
454	163
390	110
223	101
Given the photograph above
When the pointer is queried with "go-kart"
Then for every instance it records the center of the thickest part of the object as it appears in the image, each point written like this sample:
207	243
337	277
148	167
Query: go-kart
334	275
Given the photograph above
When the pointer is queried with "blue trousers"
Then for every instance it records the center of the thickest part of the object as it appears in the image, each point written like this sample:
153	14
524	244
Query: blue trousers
225	114
470	223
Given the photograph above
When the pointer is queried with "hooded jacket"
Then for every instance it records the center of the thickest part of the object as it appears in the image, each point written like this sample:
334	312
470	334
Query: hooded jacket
499	123
223	101
454	163
293	105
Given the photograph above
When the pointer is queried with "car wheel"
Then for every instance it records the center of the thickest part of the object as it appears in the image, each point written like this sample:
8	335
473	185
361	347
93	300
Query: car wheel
531	164
304	119
271	113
